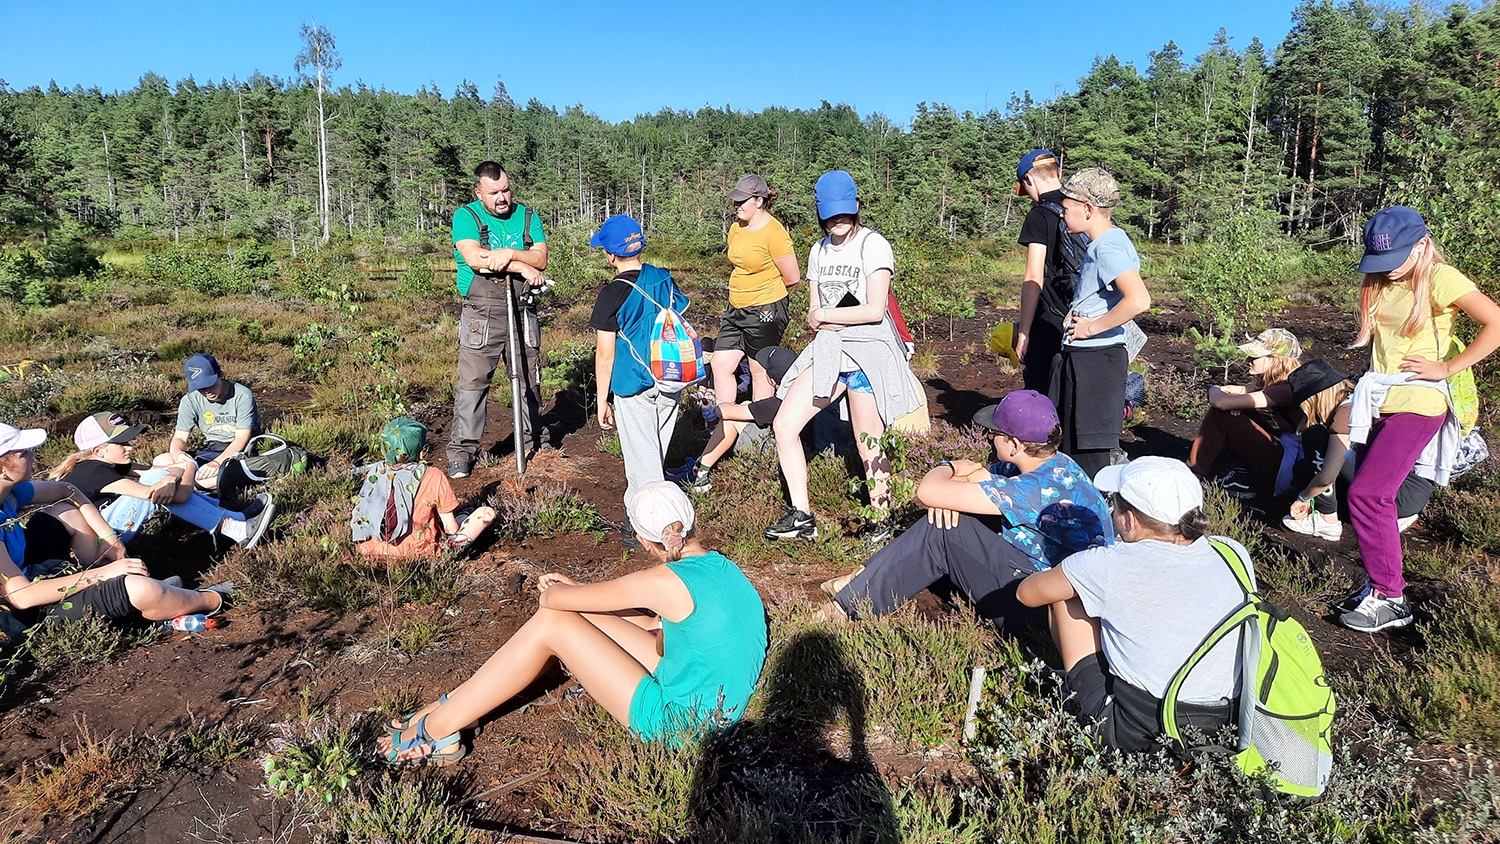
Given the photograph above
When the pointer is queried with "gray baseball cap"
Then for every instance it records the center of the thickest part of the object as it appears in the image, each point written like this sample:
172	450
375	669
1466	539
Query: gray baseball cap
749	185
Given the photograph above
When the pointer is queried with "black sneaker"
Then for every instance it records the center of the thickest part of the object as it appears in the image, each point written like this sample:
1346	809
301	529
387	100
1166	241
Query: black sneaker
1238	483
794	525
628	539
876	533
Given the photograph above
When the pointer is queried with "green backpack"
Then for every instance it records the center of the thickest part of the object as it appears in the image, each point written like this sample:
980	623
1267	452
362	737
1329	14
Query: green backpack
1286	703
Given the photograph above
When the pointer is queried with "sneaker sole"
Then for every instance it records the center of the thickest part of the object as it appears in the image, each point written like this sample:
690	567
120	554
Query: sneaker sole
793	534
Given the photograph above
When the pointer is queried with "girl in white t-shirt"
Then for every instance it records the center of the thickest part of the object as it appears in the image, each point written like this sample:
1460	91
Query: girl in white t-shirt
856	352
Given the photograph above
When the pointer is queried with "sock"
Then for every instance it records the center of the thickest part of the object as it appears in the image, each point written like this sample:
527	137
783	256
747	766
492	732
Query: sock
234	529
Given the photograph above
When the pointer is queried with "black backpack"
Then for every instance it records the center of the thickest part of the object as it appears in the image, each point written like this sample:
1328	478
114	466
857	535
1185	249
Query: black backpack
1071	247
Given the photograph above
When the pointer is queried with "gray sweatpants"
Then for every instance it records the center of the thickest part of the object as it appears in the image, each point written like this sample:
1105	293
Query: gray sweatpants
483	348
645	422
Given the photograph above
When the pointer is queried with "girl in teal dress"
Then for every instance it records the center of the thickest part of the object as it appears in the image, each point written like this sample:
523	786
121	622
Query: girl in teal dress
690	664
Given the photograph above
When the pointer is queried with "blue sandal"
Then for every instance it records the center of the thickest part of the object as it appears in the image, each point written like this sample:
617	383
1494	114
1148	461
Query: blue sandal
400	724
444	751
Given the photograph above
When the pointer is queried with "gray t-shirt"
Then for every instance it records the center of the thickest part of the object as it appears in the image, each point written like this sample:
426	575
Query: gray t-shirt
1156	601
219	420
1107	258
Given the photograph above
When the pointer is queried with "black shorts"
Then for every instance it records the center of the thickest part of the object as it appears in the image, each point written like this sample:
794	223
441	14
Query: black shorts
754	328
1129	718
108	599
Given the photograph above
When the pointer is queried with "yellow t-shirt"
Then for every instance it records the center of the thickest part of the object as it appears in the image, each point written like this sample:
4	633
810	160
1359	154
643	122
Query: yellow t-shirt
1390	346
755	280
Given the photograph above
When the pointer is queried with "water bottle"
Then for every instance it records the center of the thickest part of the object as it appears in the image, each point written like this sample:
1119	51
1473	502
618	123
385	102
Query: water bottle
193	623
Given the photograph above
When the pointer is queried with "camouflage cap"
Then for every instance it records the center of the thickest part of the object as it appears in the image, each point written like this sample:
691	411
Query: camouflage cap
1095	186
1273	341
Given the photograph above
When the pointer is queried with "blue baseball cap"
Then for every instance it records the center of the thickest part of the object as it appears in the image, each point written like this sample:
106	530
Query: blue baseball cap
1028	161
1389	237
201	370
620	235
836	194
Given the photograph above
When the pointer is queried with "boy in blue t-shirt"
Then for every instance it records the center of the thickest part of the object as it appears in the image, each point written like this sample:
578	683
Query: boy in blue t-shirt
988	528
1088	384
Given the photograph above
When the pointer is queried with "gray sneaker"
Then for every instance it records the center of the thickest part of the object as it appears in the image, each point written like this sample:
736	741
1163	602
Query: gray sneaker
1351	603
255	526
1377	612
458	471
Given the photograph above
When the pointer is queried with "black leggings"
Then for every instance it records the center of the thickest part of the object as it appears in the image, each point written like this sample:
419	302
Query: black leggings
1410	498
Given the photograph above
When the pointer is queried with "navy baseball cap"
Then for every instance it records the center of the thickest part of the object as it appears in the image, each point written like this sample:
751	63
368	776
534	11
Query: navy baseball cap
202	371
620	235
1389	237
1028	161
836	194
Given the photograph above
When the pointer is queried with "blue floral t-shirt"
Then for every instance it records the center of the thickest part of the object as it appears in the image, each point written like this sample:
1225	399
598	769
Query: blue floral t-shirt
1051	511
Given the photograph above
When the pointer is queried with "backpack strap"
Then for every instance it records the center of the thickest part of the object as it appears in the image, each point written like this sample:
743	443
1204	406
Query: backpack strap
484	231
526	241
1243	616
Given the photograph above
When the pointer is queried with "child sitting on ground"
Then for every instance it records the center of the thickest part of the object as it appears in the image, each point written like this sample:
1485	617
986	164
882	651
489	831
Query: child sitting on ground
405	507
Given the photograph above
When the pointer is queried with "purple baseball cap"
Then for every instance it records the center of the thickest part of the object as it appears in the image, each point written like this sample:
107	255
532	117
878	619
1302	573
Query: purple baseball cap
1026	415
1389	237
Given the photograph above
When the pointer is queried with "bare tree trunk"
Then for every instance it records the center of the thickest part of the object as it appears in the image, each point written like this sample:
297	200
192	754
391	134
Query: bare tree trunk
322	159
1249	145
244	144
109	179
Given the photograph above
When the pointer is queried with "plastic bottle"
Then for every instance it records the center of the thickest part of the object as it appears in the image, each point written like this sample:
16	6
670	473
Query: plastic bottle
192	623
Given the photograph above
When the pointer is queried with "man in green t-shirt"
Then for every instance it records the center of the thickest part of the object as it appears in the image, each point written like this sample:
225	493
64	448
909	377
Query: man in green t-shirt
496	241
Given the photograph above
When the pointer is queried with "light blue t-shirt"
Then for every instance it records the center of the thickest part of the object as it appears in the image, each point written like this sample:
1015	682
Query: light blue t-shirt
1050	512
1107	258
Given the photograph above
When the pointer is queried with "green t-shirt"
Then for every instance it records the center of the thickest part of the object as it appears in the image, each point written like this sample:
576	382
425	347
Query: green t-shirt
505	233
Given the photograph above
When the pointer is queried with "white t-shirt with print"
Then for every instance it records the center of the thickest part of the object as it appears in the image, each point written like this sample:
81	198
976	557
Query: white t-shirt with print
846	268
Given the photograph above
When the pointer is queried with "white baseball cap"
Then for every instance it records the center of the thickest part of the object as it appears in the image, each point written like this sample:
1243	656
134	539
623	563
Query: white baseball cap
1160	487
657	505
19	439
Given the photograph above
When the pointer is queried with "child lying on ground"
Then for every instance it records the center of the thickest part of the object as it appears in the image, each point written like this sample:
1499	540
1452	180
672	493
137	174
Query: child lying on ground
405	507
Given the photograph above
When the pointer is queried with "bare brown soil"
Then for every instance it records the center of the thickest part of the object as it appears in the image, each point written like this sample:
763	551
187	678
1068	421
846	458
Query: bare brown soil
262	663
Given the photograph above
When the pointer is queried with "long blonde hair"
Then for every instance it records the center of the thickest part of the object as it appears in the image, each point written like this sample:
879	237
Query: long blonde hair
1318	408
69	463
1279	367
1421	287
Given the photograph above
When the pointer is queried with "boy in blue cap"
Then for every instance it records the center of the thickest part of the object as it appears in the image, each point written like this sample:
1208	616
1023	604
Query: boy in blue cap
224	410
622	320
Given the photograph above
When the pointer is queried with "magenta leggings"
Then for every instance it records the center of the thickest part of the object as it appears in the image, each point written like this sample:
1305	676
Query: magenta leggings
1395	443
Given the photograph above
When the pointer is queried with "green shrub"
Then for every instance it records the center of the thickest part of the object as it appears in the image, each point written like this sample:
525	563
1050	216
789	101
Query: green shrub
1233	275
400	811
313	758
1471	518
91	640
547	509
183	268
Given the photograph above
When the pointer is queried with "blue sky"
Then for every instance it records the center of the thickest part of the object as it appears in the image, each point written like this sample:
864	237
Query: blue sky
620	59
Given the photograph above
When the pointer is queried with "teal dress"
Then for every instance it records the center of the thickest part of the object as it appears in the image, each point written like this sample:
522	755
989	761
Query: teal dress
711	659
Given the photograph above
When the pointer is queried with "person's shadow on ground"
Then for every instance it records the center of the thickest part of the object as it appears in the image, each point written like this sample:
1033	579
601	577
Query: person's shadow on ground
801	772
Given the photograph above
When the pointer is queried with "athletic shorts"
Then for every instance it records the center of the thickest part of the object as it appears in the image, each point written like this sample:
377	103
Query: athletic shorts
47	539
856	382
108	599
754	328
1128	718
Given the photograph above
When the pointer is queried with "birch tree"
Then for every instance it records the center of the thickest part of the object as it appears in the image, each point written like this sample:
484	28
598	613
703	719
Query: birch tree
320	54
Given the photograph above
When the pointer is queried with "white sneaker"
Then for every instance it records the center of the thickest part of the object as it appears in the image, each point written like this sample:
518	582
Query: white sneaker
1403	523
1315	525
